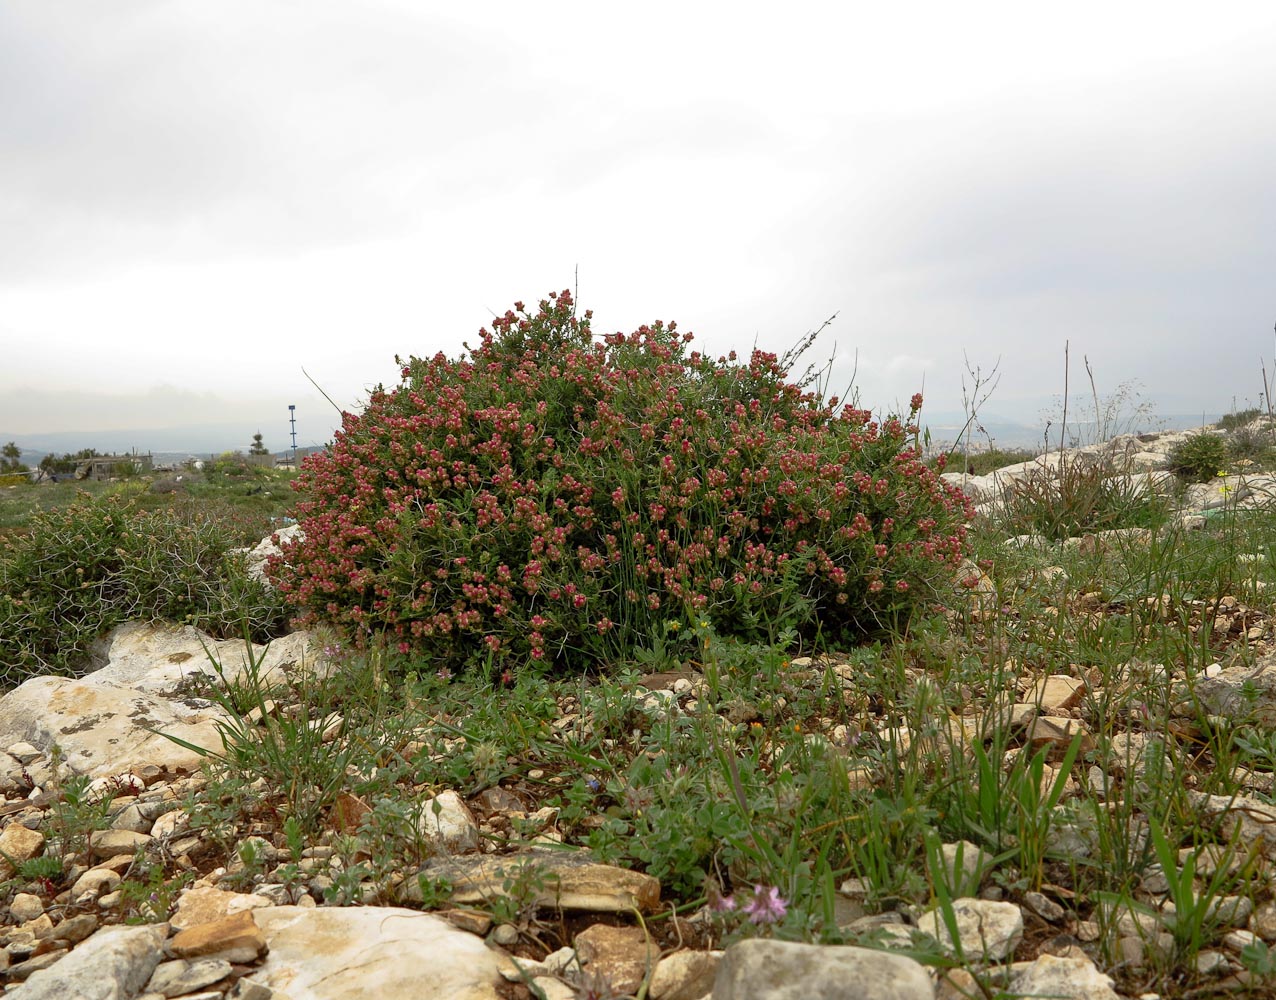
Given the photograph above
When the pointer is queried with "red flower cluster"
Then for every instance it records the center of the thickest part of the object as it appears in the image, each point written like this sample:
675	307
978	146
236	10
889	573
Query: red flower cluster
558	497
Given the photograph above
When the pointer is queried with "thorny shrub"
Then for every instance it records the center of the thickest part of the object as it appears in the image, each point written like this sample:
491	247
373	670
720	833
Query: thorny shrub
79	571
556	497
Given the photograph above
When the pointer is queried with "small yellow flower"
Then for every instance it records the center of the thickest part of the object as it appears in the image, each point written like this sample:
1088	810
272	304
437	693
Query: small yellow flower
674	626
704	624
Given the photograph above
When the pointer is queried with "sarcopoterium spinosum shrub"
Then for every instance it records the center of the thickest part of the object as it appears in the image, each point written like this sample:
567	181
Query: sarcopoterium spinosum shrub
563	498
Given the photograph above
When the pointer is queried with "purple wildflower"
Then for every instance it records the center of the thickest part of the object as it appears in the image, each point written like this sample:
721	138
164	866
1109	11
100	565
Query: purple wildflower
767	906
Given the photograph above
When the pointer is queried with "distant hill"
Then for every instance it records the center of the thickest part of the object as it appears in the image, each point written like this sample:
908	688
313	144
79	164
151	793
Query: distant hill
945	427
165	443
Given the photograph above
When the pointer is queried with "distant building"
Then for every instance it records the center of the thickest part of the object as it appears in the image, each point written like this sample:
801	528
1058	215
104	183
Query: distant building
110	466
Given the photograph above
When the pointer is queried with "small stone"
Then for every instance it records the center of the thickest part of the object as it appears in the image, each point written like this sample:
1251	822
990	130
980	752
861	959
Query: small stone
1263	922
505	935
684	975
179	976
1047	909
621	955
246	989
446	821
987	929
76	929
205	904
785	970
131	818
93	884
1056	693
18	844
1058	731
170	824
1088	931
558	962
1062	977
113	843
1131	949
474	921
1210	962
24	753
964	866
1239	940
26	906
236	939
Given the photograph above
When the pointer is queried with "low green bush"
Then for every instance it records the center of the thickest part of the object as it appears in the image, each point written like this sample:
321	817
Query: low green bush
1079	497
1232	421
1199	457
77	571
1252	446
562	499
980	463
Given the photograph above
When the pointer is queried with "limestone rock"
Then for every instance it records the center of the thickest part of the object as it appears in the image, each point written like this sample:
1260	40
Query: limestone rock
272	545
1242	692
571	881
18	844
235	938
112	843
26	906
684	975
447	823
1066	978
179	976
1252	820
115	962
622	956
205	904
384	952
762	969
1056	693
965	865
113	719
986	929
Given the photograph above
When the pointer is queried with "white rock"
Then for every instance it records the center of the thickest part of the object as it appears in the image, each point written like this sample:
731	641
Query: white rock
447	822
761	969
1066	978
115	962
986	929
335	953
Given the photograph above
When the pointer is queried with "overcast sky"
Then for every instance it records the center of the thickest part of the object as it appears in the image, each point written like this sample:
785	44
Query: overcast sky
199	199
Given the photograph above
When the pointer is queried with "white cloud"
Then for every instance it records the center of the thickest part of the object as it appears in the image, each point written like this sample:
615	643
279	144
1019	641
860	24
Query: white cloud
213	196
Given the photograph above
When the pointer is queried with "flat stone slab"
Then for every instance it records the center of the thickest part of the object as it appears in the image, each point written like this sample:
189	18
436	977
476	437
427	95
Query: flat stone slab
339	953
115	718
571	881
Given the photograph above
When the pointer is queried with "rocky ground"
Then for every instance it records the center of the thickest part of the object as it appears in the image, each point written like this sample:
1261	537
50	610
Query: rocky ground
122	883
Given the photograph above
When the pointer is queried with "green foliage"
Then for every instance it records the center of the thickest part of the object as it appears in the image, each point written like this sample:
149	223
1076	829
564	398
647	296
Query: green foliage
558	499
68	462
9	456
1080	496
147	896
1199	457
1252	446
258	446
79	571
980	463
291	755
1239	419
